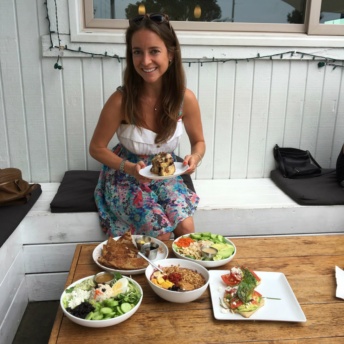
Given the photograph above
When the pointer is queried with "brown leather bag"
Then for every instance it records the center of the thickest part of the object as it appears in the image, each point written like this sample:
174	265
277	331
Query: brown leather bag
13	189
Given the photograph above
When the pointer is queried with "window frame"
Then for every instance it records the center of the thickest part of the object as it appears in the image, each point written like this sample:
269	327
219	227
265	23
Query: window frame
316	28
96	23
240	34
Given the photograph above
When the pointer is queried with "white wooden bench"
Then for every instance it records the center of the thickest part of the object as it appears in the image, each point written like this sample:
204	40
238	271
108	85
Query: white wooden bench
37	256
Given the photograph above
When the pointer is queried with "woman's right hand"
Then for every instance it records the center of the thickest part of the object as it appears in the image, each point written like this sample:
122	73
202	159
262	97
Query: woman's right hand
134	171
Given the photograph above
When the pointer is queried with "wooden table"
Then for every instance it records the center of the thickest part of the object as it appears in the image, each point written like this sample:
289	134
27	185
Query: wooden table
308	262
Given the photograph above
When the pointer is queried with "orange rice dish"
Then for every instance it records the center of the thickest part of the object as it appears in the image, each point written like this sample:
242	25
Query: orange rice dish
176	278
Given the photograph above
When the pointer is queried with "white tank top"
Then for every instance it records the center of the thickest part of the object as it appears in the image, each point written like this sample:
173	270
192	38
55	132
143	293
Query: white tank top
141	141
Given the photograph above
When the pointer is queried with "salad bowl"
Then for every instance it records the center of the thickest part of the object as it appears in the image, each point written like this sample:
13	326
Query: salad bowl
105	322
226	249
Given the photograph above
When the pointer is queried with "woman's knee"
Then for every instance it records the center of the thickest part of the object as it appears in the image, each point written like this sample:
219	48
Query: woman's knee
163	237
185	227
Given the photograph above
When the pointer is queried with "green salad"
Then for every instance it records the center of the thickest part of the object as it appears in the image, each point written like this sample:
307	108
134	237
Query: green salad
190	246
91	301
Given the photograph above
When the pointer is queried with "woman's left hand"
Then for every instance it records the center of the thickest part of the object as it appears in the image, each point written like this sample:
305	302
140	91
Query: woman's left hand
192	161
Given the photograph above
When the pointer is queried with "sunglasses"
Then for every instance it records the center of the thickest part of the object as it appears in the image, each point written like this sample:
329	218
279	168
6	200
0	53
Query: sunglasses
157	18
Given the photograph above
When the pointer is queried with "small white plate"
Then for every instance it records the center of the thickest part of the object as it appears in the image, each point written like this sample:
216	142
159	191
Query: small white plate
273	285
180	169
97	252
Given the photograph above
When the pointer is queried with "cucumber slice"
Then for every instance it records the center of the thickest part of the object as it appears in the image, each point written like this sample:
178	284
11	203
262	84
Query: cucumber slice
125	307
89	316
119	310
106	310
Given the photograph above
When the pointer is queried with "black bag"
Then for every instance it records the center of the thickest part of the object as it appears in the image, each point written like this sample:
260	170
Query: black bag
340	167
296	163
13	189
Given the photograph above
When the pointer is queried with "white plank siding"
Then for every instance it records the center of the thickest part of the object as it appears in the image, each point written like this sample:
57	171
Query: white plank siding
47	116
259	119
328	116
224	105
31	82
241	119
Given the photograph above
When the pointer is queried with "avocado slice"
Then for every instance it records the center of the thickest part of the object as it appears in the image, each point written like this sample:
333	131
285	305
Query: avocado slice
224	250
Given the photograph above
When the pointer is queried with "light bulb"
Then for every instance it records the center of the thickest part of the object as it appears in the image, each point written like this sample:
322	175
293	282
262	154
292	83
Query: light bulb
142	9
197	11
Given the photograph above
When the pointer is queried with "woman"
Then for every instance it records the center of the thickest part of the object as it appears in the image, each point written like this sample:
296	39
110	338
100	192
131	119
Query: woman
148	114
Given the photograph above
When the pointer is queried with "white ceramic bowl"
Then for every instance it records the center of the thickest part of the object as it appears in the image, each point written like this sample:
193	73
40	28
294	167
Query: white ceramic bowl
100	323
178	296
206	263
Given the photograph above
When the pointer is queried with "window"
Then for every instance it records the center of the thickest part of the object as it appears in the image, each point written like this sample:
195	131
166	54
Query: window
314	17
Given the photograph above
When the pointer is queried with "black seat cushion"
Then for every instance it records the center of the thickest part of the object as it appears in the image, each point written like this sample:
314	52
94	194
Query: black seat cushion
12	215
320	190
340	167
186	177
76	192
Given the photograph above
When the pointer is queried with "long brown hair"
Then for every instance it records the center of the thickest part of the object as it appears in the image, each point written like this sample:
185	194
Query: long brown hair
173	82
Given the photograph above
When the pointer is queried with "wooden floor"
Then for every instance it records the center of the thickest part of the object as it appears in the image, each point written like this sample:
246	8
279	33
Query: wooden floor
37	322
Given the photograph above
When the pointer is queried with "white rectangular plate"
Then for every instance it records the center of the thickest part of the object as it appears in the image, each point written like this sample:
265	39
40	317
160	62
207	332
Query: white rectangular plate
273	285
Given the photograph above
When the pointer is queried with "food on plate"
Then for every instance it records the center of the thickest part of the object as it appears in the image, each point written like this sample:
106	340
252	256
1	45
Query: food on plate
235	276
96	301
163	164
176	278
121	254
191	246
240	295
245	309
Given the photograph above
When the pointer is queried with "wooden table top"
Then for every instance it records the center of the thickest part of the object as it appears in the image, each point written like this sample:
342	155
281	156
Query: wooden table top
308	262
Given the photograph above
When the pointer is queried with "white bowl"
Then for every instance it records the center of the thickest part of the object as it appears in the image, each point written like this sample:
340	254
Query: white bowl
206	263
178	296
105	322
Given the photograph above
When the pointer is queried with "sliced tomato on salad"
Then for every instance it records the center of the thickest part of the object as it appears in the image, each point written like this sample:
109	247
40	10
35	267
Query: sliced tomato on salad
255	275
233	278
235	302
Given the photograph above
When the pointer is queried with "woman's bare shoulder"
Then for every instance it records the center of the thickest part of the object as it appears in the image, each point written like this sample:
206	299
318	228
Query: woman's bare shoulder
113	107
189	95
190	102
116	98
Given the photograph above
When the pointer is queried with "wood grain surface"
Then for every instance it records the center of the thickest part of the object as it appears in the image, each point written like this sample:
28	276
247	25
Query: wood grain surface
308	262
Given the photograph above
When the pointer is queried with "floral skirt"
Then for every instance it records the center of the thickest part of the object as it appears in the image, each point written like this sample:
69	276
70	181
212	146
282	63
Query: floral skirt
152	209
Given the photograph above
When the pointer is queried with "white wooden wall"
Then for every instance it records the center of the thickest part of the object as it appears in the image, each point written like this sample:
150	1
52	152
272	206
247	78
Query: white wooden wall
47	116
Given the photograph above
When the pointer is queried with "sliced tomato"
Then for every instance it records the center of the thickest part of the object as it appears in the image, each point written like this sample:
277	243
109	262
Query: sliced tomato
229	293
233	278
255	275
256	297
230	280
235	303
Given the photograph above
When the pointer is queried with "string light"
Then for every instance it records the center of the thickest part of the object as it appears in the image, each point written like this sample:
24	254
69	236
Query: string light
322	60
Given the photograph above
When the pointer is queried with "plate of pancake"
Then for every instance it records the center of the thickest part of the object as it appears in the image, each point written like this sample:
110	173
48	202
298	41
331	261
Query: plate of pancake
120	254
179	170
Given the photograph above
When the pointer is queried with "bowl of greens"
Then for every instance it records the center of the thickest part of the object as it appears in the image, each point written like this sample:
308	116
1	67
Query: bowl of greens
190	247
92	304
